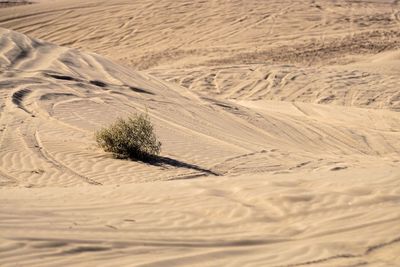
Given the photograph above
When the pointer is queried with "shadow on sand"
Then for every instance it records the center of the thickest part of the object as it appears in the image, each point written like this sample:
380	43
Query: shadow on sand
166	161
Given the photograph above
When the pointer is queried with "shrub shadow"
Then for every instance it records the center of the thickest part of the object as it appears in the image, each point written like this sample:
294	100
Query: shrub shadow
163	161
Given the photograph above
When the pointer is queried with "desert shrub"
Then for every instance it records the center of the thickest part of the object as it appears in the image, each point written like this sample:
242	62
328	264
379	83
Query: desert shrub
132	138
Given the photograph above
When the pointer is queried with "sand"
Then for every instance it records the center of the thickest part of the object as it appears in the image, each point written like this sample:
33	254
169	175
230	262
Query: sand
279	121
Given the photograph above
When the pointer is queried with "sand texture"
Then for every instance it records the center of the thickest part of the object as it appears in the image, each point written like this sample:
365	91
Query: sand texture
279	121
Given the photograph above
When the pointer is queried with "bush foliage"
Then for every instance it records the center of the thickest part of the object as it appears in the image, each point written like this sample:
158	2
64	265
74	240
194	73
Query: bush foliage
132	138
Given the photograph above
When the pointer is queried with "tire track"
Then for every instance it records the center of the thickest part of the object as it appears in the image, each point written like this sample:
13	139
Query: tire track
62	167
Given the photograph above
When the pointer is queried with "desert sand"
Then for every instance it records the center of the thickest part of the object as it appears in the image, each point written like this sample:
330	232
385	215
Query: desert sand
279	121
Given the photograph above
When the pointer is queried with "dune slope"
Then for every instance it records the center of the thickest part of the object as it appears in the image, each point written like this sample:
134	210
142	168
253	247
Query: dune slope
54	99
281	141
300	178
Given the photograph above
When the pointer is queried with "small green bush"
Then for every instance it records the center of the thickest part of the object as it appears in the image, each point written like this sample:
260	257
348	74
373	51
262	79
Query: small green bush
132	138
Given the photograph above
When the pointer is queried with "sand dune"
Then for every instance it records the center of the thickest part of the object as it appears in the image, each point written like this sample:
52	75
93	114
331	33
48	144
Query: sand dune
151	33
364	85
320	219
55	114
293	160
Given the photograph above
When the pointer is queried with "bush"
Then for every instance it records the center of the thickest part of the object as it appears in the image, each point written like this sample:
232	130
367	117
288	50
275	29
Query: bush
132	138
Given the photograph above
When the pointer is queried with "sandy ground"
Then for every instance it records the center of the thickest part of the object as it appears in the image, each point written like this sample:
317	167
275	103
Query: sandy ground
4	4
279	121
